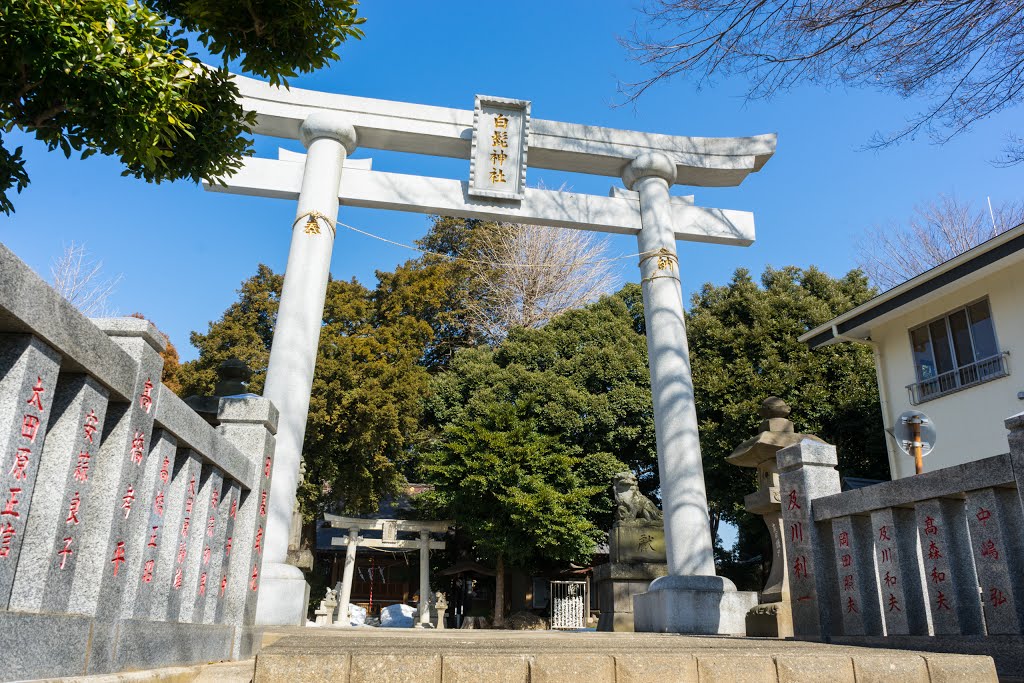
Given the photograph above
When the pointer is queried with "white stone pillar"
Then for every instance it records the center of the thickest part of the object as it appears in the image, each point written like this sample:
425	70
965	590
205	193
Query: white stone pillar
691	599
687	527
328	139
346	576
424	577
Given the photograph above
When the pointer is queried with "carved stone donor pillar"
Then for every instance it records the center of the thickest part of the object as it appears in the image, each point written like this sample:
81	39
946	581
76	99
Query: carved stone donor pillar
328	139
691	599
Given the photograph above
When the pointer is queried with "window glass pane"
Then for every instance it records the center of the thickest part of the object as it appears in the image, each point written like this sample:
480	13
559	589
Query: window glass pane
961	338
940	346
923	361
983	330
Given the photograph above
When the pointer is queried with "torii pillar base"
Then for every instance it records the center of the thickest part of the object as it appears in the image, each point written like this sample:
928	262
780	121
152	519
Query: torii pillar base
694	605
284	596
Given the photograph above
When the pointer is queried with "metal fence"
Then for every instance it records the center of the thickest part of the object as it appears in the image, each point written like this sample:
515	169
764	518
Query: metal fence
969	375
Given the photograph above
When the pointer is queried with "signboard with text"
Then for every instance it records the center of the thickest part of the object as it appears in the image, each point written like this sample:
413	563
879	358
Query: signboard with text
501	132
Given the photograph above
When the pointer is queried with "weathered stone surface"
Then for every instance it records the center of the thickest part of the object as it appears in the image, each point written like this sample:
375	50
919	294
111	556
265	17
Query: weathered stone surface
151	644
170	570
637	542
42	645
53	533
278	668
959	668
770	620
616	584
560	669
678	668
881	669
820	667
494	669
857	585
28	376
411	668
692	604
951	578
734	668
995	521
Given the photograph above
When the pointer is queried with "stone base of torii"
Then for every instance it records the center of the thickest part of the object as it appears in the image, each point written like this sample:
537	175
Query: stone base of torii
692	599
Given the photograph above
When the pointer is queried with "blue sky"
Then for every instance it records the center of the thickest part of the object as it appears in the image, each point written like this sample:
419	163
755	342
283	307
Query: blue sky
183	251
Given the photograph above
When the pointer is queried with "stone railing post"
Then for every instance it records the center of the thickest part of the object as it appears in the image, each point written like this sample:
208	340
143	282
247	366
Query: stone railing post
250	424
328	139
807	471
772	617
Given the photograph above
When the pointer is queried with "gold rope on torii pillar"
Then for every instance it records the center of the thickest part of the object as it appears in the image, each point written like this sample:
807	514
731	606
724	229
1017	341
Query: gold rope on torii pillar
312	226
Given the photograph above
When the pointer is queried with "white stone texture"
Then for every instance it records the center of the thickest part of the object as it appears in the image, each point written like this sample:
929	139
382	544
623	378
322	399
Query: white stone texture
693	605
293	354
162	456
28	376
47	563
170	572
198	582
219	551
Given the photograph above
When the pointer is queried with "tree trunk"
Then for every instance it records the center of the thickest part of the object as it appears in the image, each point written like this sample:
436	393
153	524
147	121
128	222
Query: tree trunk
499	592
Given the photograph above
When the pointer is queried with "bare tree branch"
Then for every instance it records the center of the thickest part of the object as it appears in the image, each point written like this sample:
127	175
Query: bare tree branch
78	277
530	274
965	56
937	232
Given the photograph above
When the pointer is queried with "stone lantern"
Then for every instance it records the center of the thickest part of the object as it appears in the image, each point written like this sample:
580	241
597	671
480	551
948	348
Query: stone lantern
772	616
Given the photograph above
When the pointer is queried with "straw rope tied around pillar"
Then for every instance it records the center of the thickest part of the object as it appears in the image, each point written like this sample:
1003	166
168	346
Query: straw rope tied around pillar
313	223
667	261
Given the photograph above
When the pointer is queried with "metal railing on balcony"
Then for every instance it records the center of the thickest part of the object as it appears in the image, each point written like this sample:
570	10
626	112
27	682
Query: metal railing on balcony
978	372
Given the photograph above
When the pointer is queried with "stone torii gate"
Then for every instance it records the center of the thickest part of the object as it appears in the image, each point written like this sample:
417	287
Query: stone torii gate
389	540
497	136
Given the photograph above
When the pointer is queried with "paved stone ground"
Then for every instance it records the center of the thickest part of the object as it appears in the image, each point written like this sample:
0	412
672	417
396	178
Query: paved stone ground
364	655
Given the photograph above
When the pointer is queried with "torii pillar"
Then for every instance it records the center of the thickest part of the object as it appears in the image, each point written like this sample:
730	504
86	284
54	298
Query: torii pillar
329	139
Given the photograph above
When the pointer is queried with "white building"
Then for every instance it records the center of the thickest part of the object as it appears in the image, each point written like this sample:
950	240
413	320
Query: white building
944	343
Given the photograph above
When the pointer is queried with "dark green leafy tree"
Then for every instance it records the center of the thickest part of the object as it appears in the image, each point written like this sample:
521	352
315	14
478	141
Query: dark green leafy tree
121	77
744	348
367	389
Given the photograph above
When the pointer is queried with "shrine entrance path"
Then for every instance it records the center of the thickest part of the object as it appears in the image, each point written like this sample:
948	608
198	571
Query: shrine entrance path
297	655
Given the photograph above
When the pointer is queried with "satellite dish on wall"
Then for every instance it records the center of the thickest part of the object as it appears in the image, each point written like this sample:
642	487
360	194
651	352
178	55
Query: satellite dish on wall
915	435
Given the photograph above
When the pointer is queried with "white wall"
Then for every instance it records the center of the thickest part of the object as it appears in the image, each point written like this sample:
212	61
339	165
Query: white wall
969	422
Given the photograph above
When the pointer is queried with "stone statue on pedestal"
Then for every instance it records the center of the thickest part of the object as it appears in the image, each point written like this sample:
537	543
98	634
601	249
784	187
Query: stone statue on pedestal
636	554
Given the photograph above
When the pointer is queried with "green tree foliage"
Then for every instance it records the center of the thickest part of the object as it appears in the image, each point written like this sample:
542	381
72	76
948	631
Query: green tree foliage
367	388
744	348
120	77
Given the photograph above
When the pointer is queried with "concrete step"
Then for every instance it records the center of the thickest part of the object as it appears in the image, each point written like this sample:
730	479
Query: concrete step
221	672
399	656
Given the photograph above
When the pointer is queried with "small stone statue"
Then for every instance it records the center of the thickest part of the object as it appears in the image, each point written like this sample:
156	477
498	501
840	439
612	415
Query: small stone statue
632	505
325	613
441	605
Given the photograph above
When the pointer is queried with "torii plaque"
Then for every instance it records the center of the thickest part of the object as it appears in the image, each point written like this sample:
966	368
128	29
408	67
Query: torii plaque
333	126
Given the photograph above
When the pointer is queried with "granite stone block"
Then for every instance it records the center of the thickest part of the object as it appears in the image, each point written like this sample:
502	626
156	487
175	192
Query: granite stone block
400	668
896	574
950	575
821	667
959	668
286	667
54	528
470	668
889	669
179	499
592	668
197	581
153	644
138	601
995	522
856	584
28	377
647	668
807	453
42	645
221	549
736	668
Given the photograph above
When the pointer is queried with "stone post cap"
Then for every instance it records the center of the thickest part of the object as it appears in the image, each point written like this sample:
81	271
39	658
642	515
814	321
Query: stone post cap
232	376
655	164
807	453
325	124
1015	423
133	327
773	406
249	409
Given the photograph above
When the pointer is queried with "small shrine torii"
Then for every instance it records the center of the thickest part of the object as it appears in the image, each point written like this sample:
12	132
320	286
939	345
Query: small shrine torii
389	528
496	137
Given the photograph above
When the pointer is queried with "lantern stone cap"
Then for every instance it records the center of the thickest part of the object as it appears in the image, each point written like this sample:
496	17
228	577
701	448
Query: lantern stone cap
776	433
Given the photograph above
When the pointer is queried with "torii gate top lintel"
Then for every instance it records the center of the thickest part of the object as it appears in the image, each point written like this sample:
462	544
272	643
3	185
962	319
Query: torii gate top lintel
555	145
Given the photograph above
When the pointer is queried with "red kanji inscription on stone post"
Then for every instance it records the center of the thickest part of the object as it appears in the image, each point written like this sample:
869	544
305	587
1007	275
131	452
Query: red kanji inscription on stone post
793	503
847	560
158	503
177	579
851	606
75	505
258	547
146	399
997	597
799	566
929	526
138	450
254	578
152	537
886	554
165	469
202	584
29	427
127	499
223	584
988	549
883	533
941	601
7	532
19	470
844	539
983	516
937	576
933	551
91	423
894	604
147	571
118	558
796	531
36	399
66	551
12	502
81	472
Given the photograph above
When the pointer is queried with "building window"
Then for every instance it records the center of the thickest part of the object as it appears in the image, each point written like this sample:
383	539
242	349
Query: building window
956	351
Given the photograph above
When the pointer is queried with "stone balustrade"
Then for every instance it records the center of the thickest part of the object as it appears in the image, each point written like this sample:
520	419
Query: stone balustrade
932	561
130	527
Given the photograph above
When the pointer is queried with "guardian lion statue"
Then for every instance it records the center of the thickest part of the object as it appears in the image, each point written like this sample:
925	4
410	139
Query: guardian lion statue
633	505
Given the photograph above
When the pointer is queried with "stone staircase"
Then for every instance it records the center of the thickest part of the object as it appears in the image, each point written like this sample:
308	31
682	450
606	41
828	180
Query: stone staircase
364	656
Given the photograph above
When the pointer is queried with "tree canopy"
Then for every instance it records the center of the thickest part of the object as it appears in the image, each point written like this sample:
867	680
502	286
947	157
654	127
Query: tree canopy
966	58
122	78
